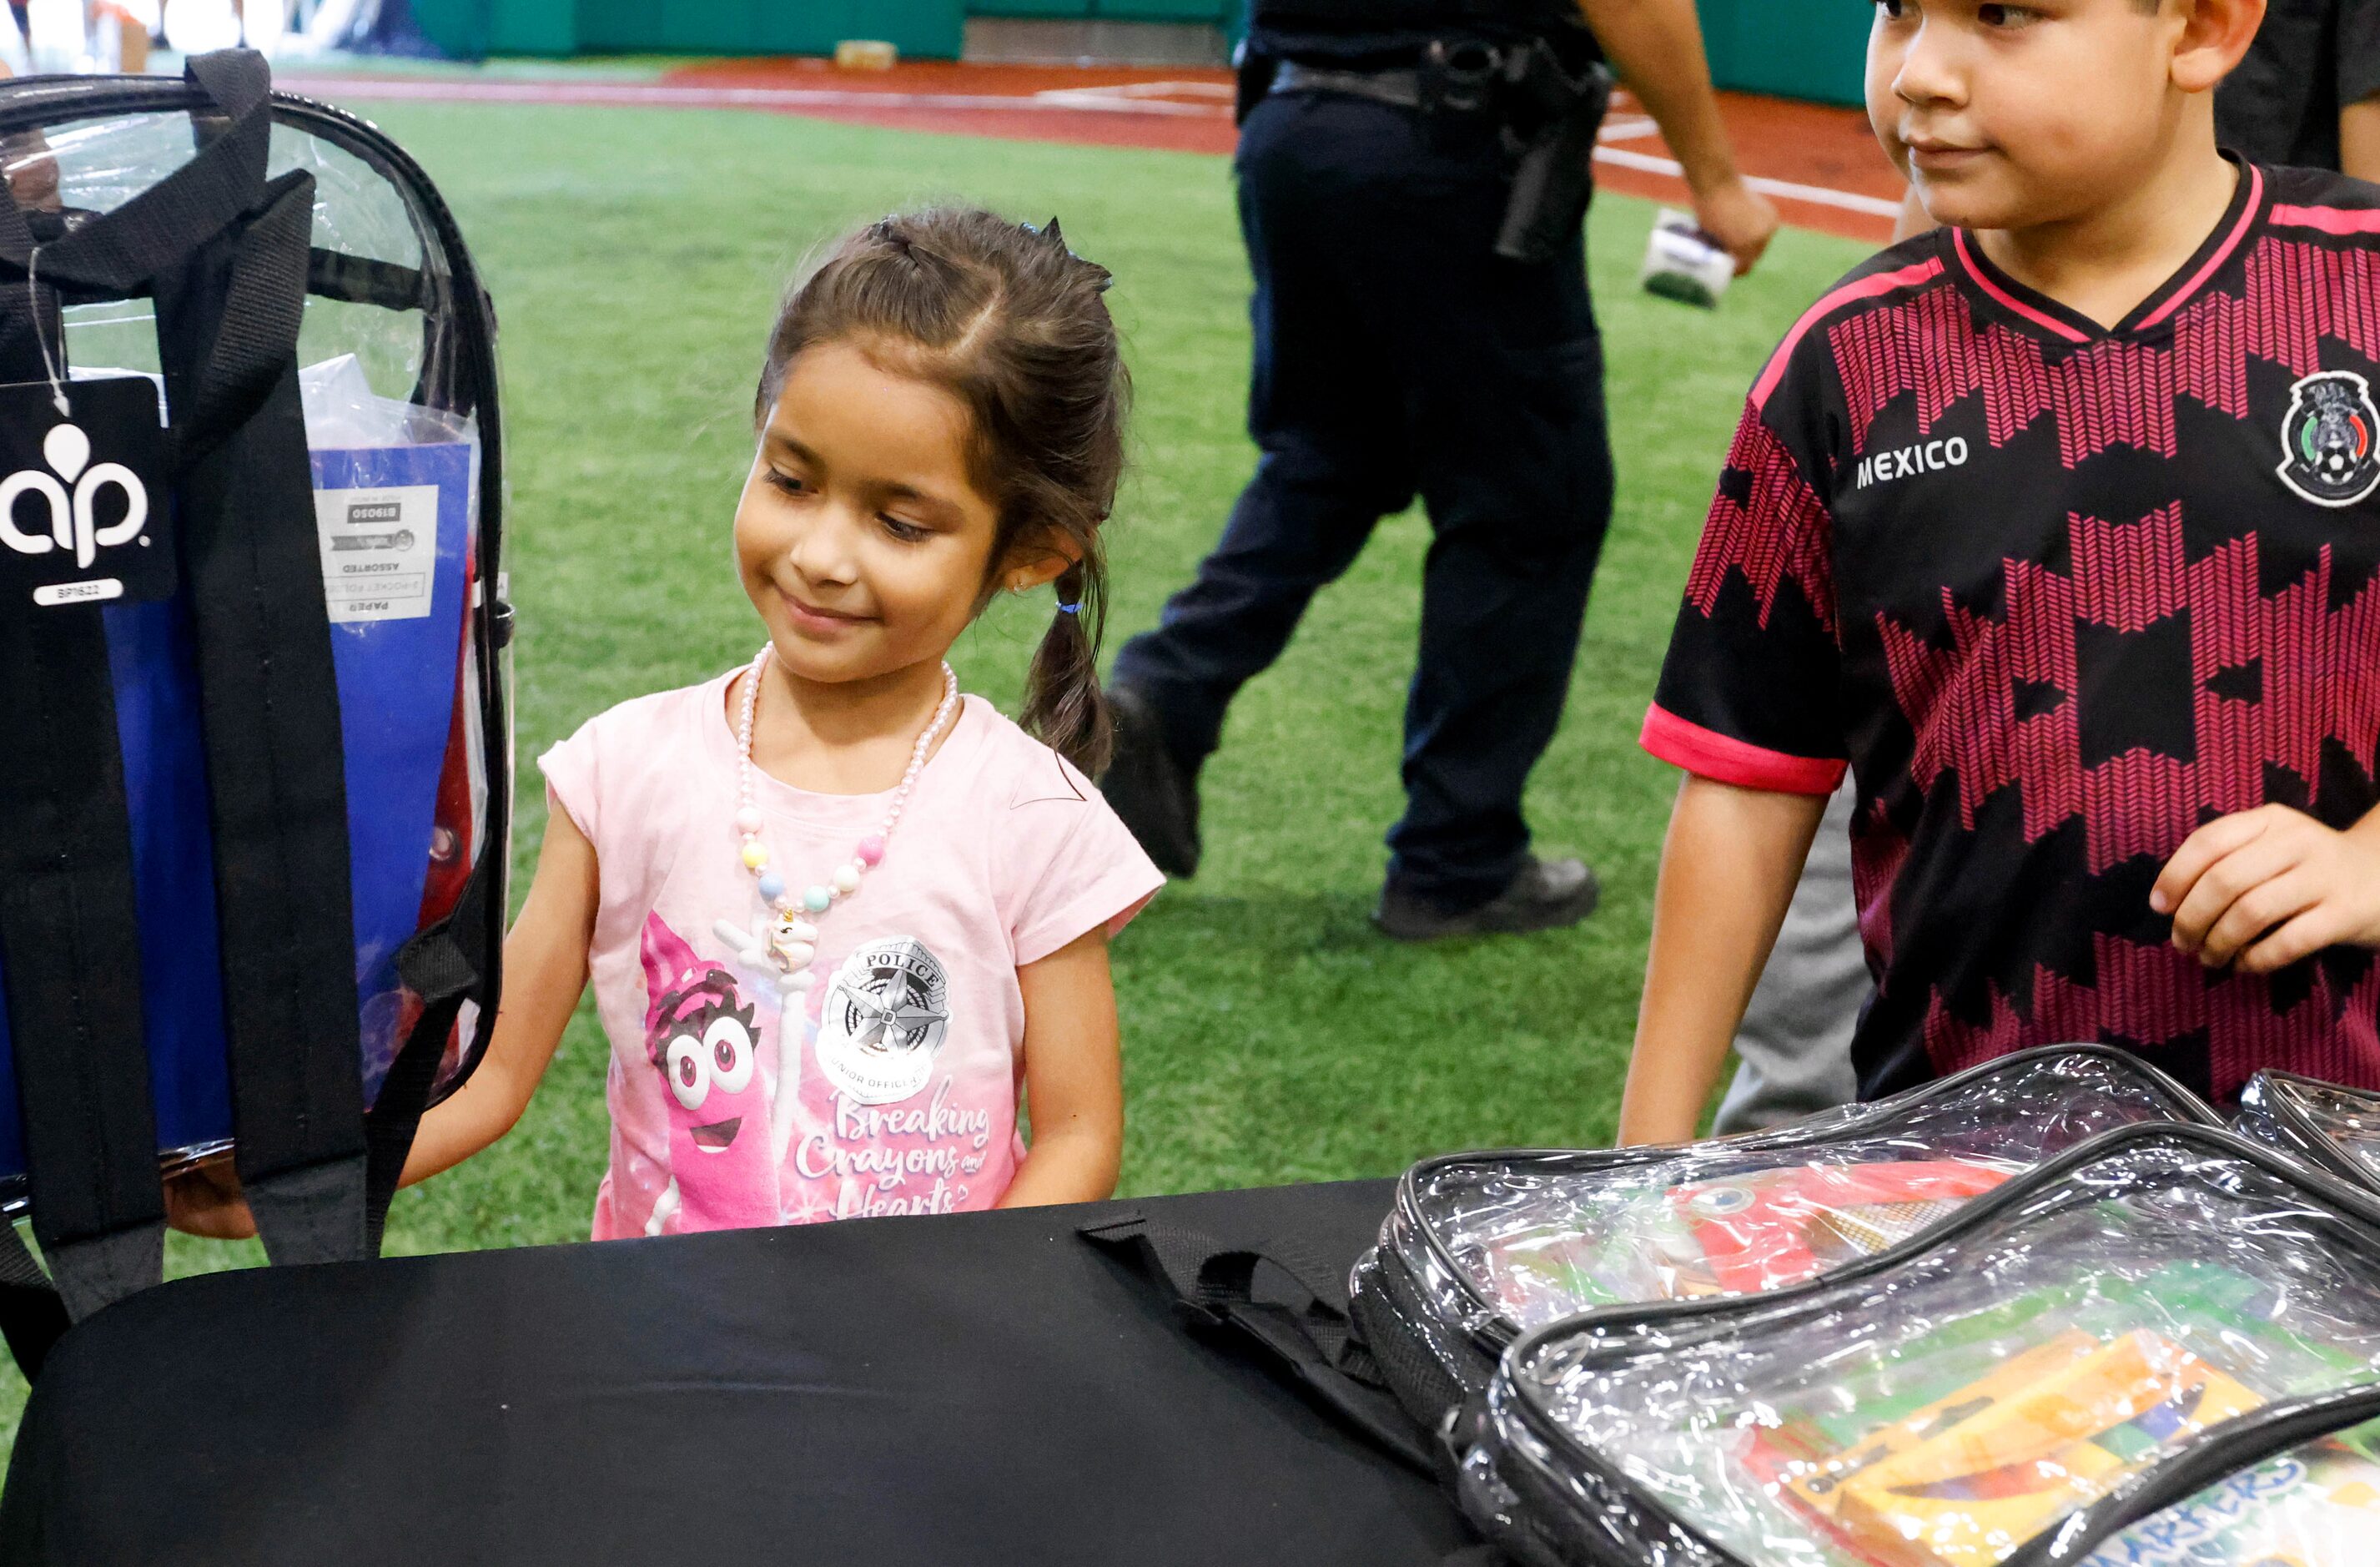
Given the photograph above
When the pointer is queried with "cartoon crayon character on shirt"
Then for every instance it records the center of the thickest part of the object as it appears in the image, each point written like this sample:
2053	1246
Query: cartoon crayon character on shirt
701	1035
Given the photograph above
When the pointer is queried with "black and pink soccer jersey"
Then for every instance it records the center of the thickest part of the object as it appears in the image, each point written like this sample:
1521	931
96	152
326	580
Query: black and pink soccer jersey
2058	596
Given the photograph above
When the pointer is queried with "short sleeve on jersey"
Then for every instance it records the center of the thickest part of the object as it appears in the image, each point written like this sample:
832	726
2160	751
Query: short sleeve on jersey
1750	692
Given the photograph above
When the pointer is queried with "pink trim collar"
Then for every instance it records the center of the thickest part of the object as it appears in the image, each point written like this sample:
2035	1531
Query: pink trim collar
2222	254
2181	296
2007	300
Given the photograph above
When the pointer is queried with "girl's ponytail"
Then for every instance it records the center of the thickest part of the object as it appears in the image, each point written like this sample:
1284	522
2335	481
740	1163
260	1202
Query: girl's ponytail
1063	707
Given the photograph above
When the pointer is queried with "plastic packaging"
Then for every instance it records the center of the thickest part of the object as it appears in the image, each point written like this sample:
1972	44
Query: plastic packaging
1682	263
2335	1128
1483	1247
2070	1335
398	388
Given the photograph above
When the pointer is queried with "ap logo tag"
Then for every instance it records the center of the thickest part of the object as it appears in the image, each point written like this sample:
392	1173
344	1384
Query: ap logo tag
81	502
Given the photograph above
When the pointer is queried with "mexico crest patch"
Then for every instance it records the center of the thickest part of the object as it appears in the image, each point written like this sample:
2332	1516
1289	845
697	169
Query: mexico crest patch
2328	438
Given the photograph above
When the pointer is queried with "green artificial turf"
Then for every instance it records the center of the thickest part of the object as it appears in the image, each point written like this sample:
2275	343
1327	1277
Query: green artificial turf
1269	1035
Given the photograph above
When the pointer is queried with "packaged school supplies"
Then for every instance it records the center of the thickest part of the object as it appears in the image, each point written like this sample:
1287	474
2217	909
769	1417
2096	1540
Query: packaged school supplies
2335	1127
1482	1246
1682	263
2063	1338
250	602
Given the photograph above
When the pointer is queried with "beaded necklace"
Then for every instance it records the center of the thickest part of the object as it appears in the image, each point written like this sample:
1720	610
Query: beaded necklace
788	942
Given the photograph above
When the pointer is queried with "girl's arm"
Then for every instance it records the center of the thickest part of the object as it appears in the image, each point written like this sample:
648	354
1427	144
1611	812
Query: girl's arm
1074	1077
1728	873
545	967
545	970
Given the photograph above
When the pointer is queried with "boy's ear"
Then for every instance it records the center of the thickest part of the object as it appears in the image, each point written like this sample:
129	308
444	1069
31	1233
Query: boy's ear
2215	35
1039	563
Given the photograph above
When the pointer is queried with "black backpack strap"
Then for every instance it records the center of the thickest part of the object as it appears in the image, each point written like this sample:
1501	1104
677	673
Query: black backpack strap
32	1316
1215	1284
227	320
69	931
440	966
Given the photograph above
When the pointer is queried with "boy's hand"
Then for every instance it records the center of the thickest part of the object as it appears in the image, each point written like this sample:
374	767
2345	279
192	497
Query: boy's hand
2264	888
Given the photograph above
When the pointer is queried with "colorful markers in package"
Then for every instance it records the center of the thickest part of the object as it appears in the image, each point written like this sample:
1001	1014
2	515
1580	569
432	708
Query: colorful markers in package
2315	1505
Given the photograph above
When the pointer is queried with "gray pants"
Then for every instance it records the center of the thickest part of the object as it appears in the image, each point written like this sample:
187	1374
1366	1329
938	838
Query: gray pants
1796	1039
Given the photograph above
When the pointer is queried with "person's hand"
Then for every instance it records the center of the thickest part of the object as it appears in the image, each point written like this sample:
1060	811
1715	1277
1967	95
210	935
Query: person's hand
2264	888
1741	219
206	1201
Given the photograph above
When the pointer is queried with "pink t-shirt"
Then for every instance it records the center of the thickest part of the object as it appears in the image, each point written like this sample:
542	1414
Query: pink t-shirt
899	1092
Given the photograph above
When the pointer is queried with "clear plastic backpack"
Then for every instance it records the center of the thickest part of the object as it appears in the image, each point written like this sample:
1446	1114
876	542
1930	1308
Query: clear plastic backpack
1481	1247
253	841
2078	1338
2335	1128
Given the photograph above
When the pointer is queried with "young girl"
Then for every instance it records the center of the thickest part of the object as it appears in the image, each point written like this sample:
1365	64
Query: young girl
838	917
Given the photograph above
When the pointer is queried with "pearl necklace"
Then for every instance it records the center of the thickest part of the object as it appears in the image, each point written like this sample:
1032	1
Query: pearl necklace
788	942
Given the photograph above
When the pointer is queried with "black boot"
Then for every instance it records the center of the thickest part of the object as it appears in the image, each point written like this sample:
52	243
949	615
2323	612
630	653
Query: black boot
1156	796
1545	895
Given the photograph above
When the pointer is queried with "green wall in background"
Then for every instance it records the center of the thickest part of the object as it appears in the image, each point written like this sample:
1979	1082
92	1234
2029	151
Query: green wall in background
1218	13
1812	49
472	28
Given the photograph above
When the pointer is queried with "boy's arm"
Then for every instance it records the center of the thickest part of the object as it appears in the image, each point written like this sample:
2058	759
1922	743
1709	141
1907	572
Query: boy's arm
2359	139
545	971
1074	1077
1728	873
2264	889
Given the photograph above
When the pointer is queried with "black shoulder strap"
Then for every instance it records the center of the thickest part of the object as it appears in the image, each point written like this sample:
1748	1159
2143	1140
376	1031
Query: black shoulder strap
440	965
227	319
1216	1285
32	1316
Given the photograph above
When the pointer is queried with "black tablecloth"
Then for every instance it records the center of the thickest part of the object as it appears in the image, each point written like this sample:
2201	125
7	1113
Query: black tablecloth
982	1388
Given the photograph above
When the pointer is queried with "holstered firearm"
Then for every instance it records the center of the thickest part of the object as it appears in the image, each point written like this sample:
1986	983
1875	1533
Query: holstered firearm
1551	119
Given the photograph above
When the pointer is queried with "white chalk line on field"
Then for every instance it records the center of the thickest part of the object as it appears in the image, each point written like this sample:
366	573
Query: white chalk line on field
1817	195
668	95
1153	98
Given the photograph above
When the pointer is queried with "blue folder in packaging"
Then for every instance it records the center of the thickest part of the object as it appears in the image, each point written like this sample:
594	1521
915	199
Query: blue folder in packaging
396	529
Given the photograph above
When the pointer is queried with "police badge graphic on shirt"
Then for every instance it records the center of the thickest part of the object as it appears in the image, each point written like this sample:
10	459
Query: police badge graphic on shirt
2327	439
884	1020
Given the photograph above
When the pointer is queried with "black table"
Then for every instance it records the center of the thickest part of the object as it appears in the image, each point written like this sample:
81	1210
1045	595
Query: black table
982	1388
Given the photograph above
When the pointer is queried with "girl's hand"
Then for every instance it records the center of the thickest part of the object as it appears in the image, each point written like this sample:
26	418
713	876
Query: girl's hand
2264	888
207	1201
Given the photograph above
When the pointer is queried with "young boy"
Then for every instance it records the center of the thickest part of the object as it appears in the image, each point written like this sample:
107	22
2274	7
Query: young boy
2060	527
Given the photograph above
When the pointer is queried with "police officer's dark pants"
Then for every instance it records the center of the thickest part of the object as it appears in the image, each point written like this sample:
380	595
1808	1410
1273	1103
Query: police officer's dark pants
1396	354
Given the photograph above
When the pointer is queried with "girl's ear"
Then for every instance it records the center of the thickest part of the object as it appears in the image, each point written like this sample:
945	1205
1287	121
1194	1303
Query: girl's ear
1040	563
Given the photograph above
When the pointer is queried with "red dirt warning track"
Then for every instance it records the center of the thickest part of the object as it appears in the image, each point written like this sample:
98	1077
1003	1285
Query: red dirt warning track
1818	163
